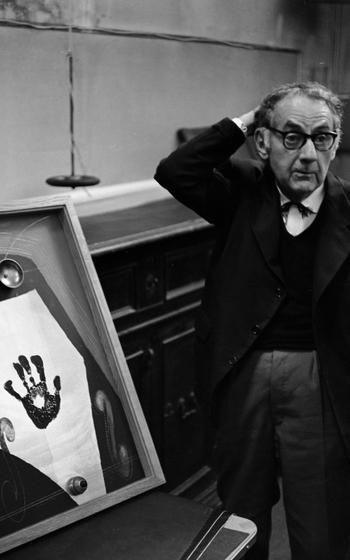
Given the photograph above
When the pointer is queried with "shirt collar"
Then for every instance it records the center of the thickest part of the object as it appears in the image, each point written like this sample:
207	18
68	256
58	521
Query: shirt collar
313	201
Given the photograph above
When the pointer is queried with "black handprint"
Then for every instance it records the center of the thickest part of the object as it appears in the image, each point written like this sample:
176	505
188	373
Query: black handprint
43	415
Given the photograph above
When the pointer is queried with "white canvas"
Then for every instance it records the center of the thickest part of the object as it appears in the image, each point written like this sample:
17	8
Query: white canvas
67	446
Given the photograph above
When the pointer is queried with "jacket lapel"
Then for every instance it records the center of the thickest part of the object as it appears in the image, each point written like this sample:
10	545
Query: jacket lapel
334	241
266	221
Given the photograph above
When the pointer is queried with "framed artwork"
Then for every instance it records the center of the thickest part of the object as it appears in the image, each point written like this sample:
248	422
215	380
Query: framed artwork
73	438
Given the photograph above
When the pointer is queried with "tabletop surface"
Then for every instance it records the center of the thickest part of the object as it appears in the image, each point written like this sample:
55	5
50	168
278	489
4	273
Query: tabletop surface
154	526
141	223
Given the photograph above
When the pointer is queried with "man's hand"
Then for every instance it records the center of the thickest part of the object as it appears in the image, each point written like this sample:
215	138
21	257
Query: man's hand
248	119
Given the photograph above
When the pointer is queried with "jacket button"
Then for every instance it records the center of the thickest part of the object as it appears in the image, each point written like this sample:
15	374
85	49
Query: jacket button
256	329
278	293
233	360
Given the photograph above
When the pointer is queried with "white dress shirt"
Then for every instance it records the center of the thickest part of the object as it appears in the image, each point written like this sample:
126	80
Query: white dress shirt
296	223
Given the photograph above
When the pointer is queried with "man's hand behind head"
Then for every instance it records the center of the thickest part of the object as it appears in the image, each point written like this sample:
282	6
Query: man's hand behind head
248	119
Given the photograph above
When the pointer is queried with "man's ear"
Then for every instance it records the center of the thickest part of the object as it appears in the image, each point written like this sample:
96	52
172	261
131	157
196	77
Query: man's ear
262	142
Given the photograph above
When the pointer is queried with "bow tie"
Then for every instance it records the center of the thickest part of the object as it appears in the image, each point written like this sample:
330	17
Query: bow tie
304	210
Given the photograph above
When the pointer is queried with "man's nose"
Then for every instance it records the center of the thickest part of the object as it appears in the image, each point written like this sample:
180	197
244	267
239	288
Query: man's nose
308	150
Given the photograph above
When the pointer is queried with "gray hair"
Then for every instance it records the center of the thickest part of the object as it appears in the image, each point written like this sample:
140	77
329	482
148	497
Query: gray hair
314	90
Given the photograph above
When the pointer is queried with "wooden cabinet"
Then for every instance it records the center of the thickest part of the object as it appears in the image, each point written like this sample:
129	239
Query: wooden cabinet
151	261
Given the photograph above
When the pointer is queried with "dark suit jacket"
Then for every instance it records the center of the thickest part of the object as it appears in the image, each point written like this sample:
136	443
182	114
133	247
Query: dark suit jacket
245	284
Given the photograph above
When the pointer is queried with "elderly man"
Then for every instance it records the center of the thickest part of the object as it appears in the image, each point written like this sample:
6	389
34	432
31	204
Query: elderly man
273	330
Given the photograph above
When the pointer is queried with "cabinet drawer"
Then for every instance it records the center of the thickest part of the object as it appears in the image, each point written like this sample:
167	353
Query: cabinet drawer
150	282
119	287
135	285
186	269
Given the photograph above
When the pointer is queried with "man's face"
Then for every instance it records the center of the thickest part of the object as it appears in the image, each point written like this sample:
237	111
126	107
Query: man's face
299	171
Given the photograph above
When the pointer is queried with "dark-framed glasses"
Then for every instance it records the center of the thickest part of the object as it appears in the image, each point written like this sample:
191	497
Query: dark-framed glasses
292	140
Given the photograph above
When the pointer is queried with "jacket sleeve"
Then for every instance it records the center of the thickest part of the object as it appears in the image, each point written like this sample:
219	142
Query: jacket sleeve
200	175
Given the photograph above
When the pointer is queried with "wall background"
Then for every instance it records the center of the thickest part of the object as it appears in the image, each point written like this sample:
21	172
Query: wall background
143	69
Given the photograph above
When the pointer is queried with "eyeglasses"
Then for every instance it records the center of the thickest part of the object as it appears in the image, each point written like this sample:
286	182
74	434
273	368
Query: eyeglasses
323	141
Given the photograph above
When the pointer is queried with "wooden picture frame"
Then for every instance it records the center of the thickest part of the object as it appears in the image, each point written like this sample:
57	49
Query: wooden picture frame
73	438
